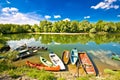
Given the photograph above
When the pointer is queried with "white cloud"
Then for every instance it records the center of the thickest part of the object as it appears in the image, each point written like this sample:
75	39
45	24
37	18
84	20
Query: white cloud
66	19
7	10
118	15
106	4
57	16
8	2
12	15
47	17
86	17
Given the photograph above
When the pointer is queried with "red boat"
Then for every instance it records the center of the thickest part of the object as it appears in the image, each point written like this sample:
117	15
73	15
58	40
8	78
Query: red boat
41	66
86	63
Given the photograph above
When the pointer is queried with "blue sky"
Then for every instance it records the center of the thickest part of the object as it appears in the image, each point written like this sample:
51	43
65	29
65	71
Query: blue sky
33	11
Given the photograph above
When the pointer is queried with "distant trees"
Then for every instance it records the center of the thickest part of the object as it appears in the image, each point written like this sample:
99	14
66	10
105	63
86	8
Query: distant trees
62	27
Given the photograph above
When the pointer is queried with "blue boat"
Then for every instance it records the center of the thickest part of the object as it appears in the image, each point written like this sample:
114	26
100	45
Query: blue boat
74	56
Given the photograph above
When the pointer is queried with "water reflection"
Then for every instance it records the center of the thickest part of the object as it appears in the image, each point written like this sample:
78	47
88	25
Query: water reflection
100	46
29	42
104	56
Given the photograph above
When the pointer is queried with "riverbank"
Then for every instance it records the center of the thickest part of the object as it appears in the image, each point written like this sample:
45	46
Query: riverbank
60	33
61	75
11	72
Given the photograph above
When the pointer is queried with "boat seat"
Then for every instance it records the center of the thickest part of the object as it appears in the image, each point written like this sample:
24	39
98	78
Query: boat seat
73	56
44	60
87	65
52	55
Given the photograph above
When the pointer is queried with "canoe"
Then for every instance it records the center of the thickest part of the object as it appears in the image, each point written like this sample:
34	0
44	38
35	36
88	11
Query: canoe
2	57
45	61
43	67
66	56
74	56
116	57
57	61
24	54
22	47
5	49
86	63
37	48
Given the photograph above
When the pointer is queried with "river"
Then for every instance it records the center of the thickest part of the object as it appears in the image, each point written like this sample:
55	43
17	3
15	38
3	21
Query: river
98	46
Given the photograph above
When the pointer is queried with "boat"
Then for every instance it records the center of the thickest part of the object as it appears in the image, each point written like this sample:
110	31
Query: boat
22	47
74	56
45	61
43	67
2	57
5	49
86	62
37	48
116	57
66	56
24	54
57	61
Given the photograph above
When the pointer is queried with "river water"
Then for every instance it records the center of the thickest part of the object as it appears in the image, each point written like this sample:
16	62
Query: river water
98	46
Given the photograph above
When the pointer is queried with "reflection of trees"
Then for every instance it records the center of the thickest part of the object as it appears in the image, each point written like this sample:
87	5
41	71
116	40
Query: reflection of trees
65	39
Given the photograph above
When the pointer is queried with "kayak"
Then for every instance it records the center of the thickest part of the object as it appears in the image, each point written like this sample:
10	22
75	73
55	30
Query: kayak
45	61
43	67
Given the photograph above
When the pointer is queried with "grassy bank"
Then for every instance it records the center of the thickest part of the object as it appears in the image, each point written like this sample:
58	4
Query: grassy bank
31	73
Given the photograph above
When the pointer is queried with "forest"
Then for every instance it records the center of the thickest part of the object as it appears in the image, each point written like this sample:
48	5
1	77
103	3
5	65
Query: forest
62	27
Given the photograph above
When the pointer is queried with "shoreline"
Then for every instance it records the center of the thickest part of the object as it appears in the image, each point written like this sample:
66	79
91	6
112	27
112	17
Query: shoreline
60	33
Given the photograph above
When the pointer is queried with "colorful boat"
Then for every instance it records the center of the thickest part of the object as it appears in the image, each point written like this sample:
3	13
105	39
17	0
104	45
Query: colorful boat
57	61
45	61
116	57
74	56
86	63
43	67
66	56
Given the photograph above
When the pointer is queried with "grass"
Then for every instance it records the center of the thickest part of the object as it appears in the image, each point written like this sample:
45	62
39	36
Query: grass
30	72
7	68
112	75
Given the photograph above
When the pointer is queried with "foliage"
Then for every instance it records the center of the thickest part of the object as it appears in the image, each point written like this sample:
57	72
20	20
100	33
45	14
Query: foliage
93	30
62	27
112	75
40	74
4	67
11	55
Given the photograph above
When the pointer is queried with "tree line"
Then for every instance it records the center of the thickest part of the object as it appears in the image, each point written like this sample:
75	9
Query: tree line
62	27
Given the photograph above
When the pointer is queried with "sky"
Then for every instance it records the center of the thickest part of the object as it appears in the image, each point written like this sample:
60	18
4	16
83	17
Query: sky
34	11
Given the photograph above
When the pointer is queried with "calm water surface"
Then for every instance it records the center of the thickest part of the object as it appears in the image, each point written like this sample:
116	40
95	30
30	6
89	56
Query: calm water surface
99	47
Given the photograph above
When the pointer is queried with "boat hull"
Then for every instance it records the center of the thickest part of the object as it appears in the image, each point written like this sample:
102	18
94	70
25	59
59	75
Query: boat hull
74	56
57	61
66	56
86	63
45	61
43	67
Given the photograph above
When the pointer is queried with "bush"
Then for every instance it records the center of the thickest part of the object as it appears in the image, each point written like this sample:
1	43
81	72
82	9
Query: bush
93	30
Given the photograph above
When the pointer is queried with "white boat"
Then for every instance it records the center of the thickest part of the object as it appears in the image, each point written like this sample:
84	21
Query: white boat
56	61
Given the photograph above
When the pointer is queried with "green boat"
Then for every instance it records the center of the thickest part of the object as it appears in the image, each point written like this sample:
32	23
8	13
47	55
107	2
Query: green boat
116	57
1	57
45	61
